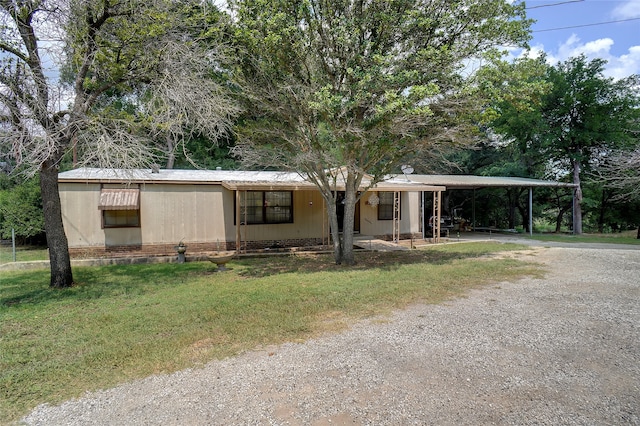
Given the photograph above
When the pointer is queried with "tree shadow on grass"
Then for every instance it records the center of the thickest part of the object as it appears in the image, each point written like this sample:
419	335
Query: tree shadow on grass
390	260
90	283
126	281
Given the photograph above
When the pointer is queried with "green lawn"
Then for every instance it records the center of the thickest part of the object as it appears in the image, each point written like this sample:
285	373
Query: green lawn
23	254
627	237
125	322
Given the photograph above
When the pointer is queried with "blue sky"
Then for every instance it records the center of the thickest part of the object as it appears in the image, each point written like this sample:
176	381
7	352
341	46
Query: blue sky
607	29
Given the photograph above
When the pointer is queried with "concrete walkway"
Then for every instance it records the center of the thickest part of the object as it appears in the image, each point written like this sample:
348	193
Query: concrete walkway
373	244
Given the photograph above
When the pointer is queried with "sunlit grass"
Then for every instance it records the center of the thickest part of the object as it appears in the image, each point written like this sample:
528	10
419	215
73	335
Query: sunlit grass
23	254
627	237
125	322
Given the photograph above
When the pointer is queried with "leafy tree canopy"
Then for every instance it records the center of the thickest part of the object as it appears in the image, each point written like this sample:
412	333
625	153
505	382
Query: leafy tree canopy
112	50
565	121
20	208
339	89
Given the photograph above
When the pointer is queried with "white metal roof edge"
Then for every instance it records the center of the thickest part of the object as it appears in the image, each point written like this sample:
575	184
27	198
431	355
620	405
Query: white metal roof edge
471	181
177	176
244	179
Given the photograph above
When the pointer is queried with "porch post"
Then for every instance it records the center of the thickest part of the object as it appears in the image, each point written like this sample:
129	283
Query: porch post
238	222
435	225
396	216
422	215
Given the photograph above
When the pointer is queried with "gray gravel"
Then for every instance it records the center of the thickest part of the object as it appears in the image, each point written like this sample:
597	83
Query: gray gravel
564	349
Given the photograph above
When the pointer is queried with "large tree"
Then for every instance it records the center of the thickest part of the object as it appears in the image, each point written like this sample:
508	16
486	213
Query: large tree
567	124
341	89
106	49
515	127
587	115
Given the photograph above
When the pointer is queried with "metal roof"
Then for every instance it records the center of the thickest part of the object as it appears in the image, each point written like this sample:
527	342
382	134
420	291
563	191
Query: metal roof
175	176
278	180
471	182
230	179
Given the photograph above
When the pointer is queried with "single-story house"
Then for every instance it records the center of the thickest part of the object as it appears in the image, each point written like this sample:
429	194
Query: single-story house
107	211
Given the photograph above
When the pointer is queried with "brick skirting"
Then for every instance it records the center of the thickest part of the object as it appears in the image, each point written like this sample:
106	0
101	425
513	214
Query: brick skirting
150	250
387	237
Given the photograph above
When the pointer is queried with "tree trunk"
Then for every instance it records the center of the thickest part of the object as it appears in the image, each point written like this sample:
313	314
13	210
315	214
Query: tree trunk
577	205
511	197
560	217
342	244
348	224
334	228
603	207
59	259
524	213
638	236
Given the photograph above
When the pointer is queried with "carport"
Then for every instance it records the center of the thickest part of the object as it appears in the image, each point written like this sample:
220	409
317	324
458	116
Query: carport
471	182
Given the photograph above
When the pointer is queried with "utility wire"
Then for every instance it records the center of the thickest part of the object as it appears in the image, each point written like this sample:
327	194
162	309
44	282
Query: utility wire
553	4
585	25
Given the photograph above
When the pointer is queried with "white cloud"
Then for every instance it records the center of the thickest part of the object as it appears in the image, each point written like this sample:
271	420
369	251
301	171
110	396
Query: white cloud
592	49
626	10
617	66
625	65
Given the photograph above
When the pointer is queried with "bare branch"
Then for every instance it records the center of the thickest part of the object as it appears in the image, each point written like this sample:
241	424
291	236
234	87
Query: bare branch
185	100
112	144
622	172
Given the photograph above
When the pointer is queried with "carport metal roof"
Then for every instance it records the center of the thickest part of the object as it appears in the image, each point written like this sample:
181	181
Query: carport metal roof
475	182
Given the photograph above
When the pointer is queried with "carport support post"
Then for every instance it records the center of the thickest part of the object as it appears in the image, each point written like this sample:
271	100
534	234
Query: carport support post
530	211
238	223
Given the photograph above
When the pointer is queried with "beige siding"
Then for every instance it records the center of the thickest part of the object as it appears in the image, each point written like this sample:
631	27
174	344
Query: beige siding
171	213
409	216
206	214
308	216
80	214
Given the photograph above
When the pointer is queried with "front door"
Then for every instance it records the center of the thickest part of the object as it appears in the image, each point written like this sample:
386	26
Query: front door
340	213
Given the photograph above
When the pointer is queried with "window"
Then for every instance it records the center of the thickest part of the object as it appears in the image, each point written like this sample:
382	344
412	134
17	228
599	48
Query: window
120	218
266	207
120	208
385	206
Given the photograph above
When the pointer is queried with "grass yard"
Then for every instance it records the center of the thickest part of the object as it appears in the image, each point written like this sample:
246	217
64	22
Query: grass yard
626	237
120	323
23	254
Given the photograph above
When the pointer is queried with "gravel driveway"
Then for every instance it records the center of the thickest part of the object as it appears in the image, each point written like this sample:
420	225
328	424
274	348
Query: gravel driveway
564	349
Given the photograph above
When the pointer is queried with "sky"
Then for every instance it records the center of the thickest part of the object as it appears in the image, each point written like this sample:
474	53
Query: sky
606	29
